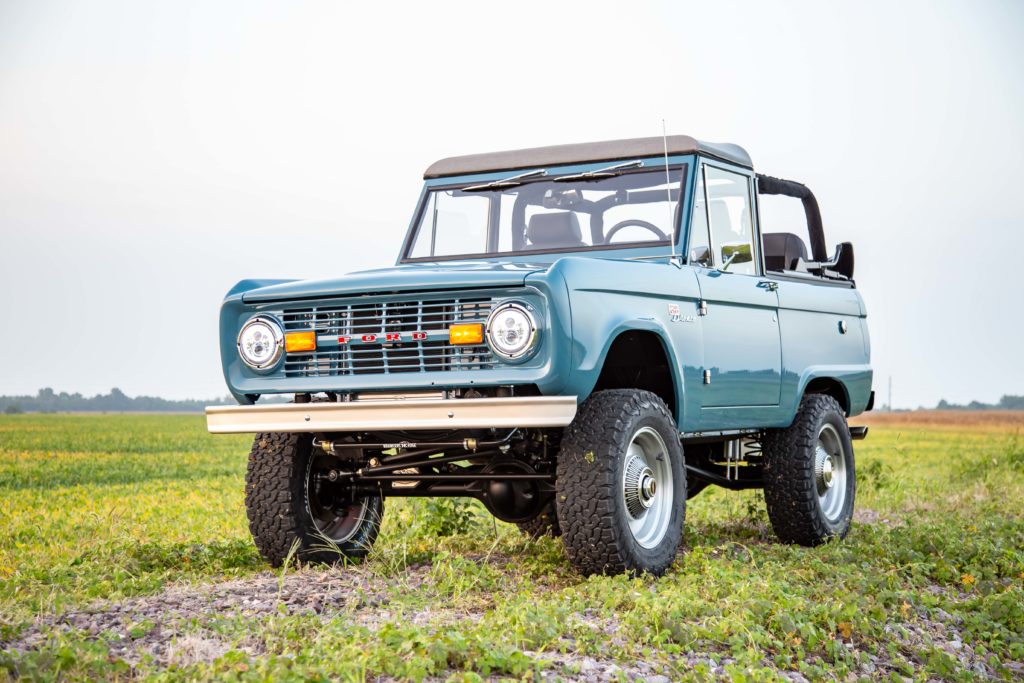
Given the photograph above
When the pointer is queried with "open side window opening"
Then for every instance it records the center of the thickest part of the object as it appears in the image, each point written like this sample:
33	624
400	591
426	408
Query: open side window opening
783	233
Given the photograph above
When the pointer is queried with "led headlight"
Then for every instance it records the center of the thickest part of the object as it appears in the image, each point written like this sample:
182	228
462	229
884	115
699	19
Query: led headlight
512	330
260	343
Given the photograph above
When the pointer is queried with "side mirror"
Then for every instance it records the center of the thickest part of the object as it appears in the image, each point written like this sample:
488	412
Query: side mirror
700	256
844	259
738	252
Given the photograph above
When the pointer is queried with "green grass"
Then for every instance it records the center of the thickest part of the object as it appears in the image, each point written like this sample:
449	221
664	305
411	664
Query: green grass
109	507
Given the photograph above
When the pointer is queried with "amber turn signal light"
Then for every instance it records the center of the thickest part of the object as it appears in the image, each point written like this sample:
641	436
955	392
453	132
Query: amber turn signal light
300	341
466	334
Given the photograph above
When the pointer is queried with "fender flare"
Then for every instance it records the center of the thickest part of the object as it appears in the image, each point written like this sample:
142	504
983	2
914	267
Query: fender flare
635	325
834	373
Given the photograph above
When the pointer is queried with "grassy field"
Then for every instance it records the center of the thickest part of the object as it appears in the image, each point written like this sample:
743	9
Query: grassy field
124	553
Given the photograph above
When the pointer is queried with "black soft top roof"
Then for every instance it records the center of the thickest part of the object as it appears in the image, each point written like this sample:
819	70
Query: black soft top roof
609	150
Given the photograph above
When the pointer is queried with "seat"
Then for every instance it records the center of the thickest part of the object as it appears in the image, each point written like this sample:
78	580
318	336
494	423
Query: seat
783	250
555	230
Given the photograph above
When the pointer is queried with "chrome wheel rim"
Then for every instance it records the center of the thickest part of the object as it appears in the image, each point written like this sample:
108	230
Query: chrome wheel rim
830	473
336	522
647	491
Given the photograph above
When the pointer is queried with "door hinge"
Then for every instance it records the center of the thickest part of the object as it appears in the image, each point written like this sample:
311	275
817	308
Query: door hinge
702	307
707	377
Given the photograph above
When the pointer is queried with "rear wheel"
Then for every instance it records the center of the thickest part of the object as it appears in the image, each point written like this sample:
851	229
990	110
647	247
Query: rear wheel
809	474
544	524
621	487
291	500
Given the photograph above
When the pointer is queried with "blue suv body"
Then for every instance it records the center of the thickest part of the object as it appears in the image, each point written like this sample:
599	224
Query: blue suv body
538	291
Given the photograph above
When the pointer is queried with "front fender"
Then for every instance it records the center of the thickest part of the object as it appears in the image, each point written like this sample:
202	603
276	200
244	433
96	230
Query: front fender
589	359
610	297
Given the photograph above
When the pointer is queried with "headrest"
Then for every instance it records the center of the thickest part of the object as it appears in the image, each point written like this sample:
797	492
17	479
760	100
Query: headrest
782	251
555	229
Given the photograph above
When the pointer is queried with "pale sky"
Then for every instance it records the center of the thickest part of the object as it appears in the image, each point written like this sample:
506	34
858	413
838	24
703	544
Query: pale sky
154	153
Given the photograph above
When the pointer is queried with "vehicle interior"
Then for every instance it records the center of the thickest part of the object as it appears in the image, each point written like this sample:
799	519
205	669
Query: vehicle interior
786	251
624	208
634	208
627	208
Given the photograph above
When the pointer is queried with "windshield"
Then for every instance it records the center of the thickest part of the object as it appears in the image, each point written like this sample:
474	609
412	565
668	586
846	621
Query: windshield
535	212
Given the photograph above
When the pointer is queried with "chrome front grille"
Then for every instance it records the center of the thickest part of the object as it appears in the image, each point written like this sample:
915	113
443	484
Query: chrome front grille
367	338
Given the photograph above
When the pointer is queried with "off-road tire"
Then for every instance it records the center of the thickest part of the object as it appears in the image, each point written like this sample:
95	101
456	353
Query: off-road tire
544	524
275	502
790	486
591	507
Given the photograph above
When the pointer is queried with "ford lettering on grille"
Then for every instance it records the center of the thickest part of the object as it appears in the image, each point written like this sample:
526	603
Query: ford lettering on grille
386	337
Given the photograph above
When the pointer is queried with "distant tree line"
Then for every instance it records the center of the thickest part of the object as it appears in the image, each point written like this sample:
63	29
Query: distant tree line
49	401
1005	403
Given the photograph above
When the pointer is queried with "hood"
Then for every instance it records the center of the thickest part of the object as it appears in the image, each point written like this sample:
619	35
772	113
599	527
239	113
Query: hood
412	277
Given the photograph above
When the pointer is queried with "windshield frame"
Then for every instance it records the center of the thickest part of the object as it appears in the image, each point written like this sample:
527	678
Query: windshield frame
681	209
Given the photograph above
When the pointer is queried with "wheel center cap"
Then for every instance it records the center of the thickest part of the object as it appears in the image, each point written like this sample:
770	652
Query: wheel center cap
648	486
827	468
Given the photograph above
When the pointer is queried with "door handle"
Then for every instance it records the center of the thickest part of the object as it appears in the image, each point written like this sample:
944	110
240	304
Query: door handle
769	285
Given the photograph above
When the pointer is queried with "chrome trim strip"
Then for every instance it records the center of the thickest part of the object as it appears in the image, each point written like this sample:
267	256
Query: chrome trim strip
358	416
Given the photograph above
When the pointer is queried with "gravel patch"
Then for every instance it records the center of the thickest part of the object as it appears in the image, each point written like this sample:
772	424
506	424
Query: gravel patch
169	625
940	630
177	626
867	516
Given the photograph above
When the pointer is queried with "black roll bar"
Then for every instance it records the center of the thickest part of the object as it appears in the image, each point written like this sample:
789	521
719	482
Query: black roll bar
790	188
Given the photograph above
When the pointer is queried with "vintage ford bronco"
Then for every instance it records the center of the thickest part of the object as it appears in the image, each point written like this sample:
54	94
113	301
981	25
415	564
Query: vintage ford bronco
580	337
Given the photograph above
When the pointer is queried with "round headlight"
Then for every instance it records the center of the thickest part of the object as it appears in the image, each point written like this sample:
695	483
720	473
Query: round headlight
260	343
512	330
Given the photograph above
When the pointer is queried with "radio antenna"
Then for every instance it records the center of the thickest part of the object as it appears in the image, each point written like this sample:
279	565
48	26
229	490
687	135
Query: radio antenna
668	195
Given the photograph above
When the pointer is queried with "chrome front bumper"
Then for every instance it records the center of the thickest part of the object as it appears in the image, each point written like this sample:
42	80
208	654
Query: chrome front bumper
393	415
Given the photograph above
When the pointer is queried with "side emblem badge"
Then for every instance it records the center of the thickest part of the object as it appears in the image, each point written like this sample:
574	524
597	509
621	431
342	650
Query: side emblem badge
676	315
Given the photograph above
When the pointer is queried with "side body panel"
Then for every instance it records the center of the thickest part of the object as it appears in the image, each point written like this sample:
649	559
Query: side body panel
769	371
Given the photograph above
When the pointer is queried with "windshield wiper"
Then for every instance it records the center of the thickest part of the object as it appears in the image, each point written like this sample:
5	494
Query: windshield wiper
606	172
511	181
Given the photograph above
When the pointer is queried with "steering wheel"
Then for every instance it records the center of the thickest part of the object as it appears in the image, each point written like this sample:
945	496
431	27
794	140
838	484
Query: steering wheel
631	222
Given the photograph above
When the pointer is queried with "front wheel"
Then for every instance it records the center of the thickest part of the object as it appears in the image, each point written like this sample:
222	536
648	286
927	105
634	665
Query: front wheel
292	502
809	476
621	487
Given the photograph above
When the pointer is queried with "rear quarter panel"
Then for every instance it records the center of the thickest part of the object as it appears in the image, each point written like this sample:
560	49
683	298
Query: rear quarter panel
811	319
